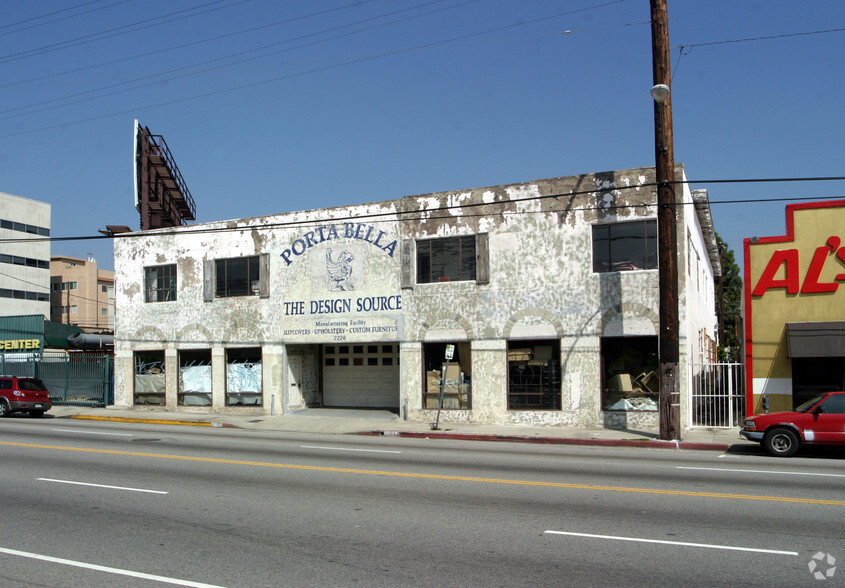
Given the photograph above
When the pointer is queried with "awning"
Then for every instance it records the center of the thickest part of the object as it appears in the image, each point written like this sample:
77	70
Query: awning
822	339
56	334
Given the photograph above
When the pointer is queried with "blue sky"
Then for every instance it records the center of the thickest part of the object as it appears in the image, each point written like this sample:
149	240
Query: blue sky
274	106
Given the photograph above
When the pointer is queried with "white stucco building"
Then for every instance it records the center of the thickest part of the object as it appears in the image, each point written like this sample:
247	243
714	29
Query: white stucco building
24	256
546	289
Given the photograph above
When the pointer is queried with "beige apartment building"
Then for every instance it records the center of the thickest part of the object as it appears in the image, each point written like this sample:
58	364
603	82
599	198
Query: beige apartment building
81	294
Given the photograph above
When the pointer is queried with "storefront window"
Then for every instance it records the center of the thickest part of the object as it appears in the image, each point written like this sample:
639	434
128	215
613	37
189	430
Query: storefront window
195	378
454	379
149	377
243	377
534	375
629	373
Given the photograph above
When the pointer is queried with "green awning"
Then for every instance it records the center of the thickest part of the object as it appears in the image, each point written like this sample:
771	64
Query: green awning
56	334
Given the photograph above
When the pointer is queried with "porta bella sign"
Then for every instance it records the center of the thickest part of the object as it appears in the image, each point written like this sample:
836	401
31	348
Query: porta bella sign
358	231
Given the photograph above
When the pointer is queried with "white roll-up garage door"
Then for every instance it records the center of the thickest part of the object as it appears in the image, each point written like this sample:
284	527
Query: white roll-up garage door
361	375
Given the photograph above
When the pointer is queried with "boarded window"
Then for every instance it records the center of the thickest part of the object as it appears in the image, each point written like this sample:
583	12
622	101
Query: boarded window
243	377
149	378
195	378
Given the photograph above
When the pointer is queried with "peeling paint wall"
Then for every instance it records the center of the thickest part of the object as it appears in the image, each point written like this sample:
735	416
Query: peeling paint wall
336	277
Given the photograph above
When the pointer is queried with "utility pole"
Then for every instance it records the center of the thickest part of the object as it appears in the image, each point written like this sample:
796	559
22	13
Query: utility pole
667	242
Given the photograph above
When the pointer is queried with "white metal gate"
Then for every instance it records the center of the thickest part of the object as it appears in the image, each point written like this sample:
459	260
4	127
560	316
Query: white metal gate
718	395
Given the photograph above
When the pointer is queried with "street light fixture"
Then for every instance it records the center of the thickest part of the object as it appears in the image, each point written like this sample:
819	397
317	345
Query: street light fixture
660	93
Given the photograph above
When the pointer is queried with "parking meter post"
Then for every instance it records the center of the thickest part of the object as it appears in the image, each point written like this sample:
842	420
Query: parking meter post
440	402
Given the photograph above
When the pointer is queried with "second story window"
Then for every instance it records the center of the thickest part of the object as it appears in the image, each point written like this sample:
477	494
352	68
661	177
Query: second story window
160	283
238	276
625	246
446	260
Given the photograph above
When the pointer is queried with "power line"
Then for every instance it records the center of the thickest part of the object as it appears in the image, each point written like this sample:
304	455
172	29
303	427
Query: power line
185	45
49	14
50	288
315	70
761	38
148	23
684	50
354	61
225	57
410	215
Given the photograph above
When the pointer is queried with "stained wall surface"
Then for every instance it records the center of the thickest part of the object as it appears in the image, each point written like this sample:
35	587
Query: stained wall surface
346	279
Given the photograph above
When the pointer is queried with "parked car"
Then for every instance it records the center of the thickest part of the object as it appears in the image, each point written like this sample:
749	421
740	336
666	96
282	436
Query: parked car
819	421
20	394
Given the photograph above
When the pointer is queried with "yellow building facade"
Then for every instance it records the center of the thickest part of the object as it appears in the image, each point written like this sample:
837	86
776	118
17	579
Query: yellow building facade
795	308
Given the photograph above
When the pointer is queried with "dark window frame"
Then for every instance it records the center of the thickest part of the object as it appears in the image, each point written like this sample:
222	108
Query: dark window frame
456	384
189	359
25	261
629	368
437	260
149	363
24	295
232	280
24	228
160	283
534	376
251	357
617	246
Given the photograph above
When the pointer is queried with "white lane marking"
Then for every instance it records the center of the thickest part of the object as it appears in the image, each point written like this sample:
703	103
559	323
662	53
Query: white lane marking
93	432
102	486
99	568
675	543
348	449
780	473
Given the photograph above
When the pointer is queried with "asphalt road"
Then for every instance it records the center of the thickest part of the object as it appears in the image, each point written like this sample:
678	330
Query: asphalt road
119	504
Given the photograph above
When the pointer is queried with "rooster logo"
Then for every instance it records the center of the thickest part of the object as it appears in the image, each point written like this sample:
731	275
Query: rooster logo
339	271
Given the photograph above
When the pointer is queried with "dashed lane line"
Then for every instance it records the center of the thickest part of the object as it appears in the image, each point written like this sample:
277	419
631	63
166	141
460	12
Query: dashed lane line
412	475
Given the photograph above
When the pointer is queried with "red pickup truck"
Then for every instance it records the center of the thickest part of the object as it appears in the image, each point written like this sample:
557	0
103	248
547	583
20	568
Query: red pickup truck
819	421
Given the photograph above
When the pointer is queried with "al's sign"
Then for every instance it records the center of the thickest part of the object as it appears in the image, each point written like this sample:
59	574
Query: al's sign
792	279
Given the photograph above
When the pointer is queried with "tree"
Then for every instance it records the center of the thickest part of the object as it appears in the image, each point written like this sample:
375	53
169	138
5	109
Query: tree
729	304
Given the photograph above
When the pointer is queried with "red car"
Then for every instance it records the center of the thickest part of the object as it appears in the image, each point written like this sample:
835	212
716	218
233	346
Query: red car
819	421
19	394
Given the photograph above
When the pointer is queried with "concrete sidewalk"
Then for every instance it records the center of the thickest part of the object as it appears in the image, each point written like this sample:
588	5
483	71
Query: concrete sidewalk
382	422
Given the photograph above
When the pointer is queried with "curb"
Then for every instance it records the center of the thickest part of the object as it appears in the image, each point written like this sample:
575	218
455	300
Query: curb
652	443
83	417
